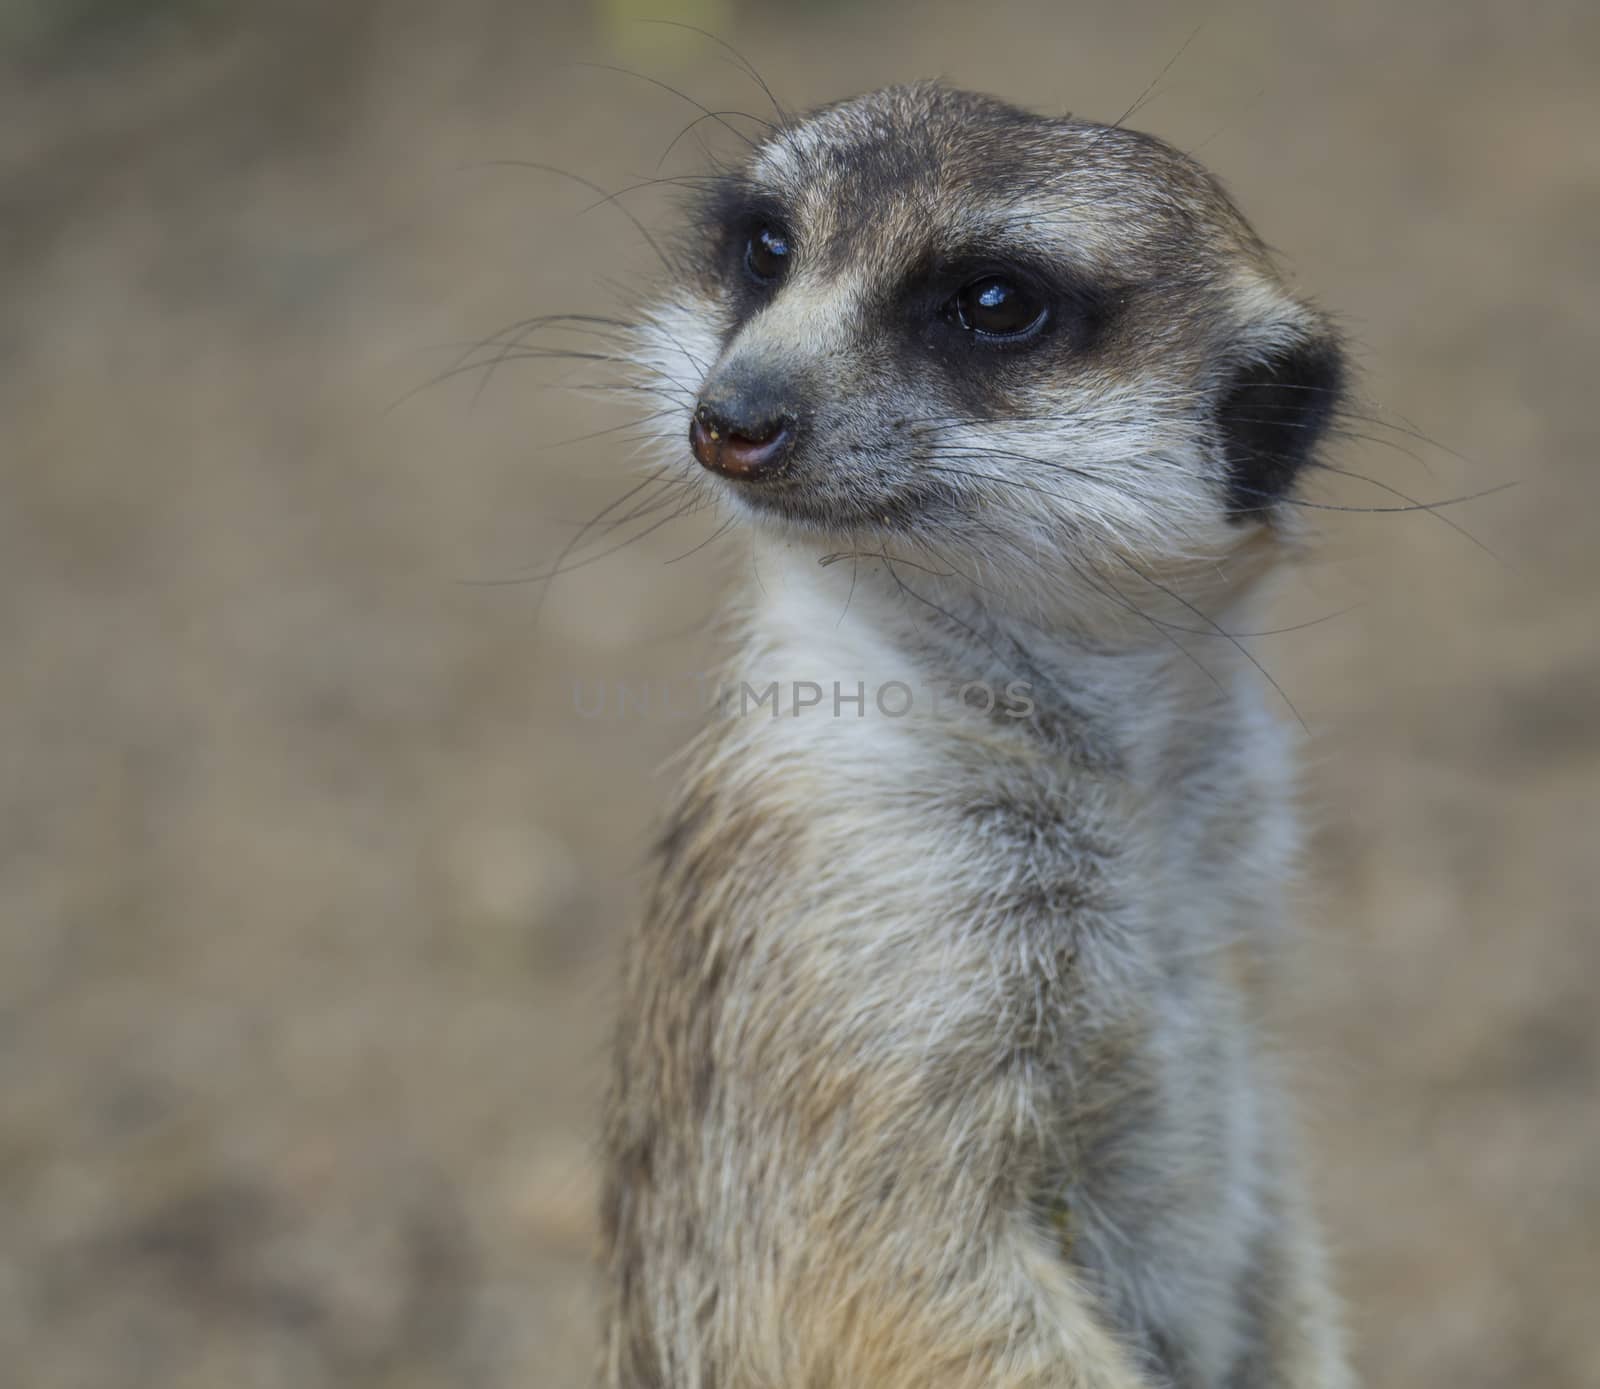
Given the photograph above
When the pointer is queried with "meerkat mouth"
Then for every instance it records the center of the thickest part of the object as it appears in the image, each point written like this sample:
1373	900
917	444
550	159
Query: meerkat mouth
819	501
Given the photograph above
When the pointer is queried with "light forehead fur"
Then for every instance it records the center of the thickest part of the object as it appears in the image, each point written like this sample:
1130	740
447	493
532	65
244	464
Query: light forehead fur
926	163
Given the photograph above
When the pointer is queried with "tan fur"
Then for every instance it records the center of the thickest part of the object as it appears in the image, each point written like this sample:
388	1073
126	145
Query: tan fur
938	1061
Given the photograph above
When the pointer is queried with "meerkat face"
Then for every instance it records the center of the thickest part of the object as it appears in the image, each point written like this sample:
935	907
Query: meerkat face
926	316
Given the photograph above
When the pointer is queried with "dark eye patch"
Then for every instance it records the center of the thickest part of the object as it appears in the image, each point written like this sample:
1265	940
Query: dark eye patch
746	245
1041	317
1007	301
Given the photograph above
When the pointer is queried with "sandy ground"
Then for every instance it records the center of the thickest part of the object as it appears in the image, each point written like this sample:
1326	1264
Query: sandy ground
311	878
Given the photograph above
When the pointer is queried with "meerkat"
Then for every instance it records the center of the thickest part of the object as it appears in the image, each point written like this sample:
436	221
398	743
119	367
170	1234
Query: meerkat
941	1060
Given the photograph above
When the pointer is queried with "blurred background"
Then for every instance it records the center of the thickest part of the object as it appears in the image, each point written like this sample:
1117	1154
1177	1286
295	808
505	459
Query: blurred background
312	878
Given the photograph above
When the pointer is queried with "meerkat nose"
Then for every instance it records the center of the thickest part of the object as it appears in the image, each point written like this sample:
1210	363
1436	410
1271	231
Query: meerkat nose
741	444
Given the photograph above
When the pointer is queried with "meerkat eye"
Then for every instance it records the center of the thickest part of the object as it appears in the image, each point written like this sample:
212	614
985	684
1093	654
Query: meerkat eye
766	255
995	307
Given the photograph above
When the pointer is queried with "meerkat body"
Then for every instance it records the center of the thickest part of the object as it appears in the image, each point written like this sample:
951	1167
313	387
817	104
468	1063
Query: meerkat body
940	1058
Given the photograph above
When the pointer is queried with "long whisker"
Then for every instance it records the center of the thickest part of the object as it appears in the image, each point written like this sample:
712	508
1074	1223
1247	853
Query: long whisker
1433	507
591	325
722	43
1150	91
1161	627
943	612
588	183
560	569
675	181
530	354
715	535
1170	626
693	125
1238	646
683	96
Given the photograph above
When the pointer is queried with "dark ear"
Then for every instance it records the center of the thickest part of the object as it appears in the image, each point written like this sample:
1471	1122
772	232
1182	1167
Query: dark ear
1271	418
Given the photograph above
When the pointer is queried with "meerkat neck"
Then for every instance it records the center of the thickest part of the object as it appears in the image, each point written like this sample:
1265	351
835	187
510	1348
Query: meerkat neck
872	634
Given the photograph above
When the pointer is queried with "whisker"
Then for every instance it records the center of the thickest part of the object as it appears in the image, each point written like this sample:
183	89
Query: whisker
947	615
1213	631
675	180
526	354
1237	645
559	570
1149	91
855	569
1163	628
715	535
588	183
517	333
1431	507
615	429
668	485
722	43
683	96
672	144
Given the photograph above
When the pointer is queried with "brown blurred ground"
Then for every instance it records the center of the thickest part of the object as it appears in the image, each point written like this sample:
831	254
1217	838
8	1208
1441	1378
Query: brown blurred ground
312	880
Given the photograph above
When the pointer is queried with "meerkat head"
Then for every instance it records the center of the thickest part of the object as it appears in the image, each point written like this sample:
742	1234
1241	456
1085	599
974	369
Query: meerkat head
924	317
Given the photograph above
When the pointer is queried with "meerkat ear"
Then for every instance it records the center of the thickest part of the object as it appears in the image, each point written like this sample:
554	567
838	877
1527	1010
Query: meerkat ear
1273	413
